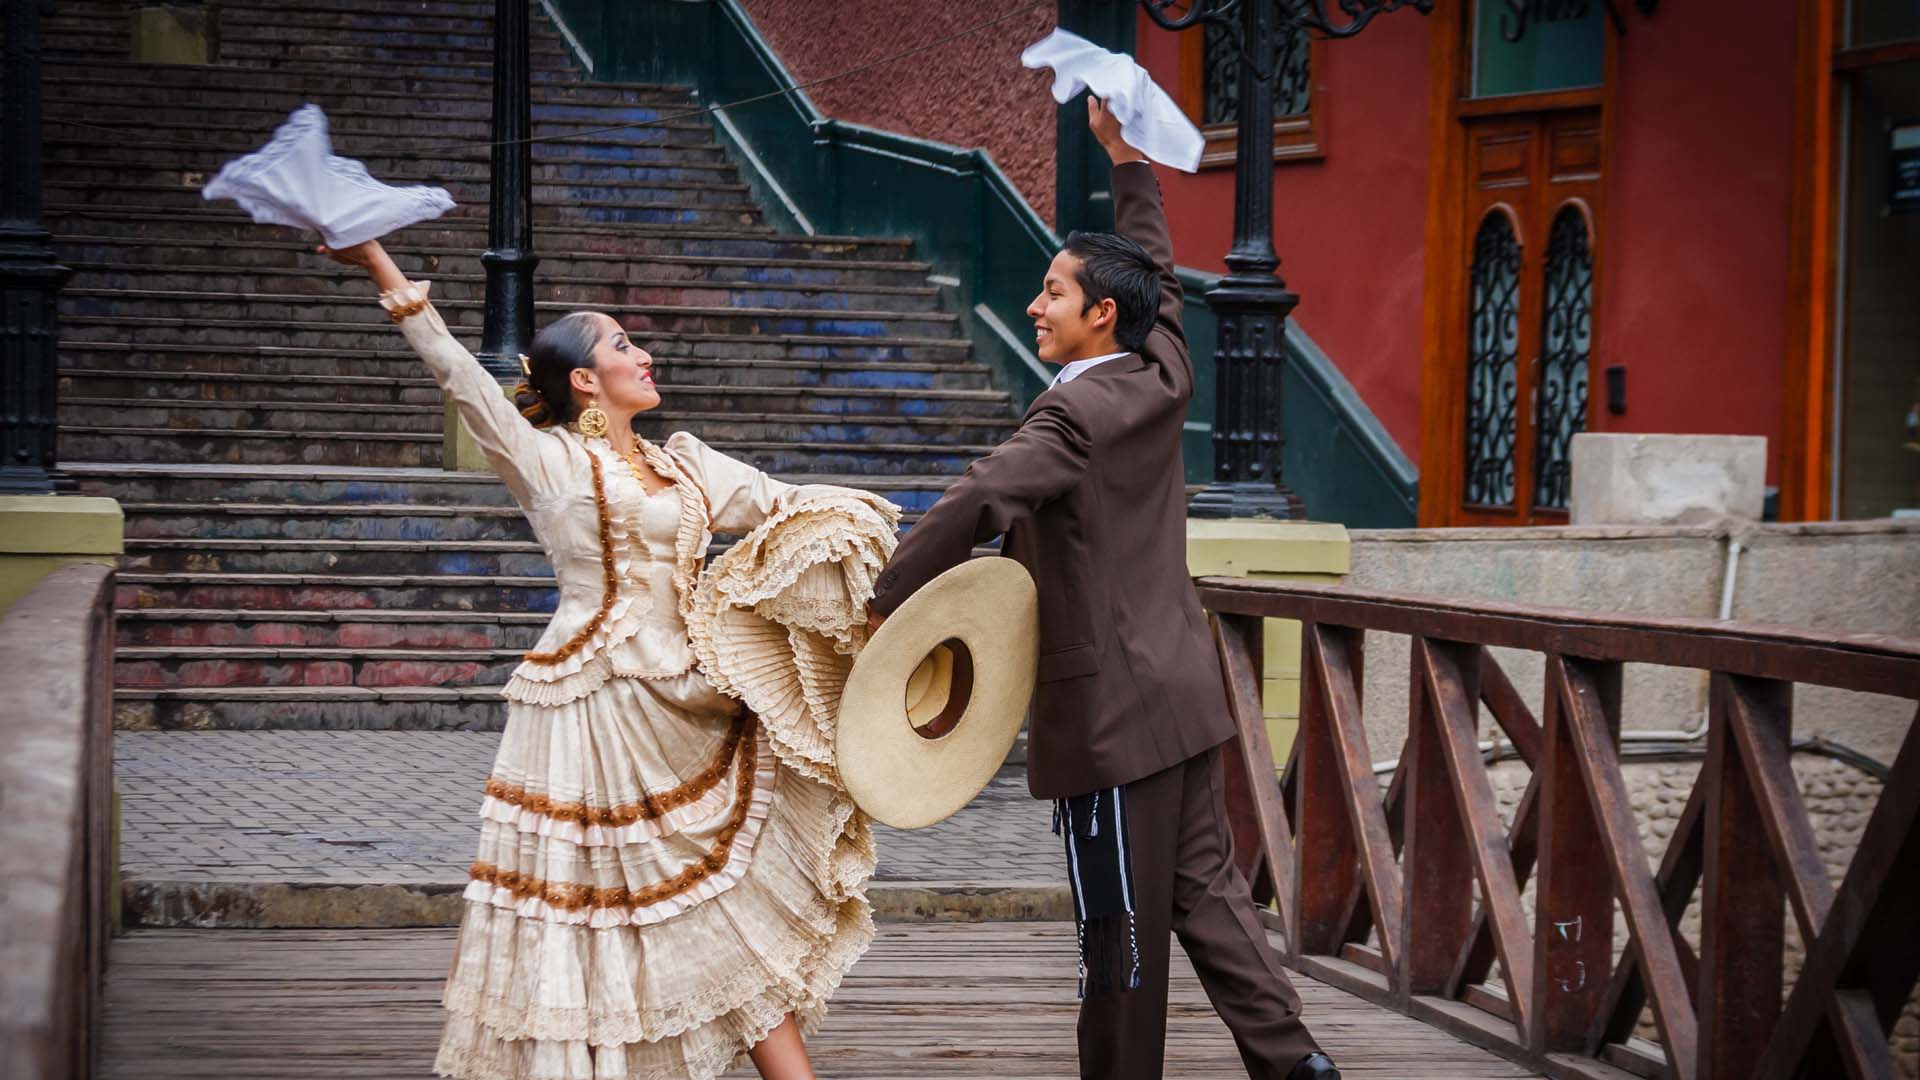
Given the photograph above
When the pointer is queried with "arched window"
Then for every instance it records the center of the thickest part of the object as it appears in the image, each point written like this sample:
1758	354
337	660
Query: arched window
1493	340
1566	346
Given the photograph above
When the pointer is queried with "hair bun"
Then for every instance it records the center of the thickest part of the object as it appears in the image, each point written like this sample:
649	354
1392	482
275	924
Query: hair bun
532	405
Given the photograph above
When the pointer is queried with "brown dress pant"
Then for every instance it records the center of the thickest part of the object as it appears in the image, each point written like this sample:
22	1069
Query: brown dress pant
1185	883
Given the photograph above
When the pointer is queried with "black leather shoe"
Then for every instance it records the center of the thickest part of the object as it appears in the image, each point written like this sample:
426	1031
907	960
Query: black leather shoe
1314	1066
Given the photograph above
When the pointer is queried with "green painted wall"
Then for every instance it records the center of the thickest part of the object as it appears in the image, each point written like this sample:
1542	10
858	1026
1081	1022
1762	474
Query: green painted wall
819	175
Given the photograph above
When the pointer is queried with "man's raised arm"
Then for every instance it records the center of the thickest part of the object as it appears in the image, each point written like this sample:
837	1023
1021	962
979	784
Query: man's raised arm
1140	217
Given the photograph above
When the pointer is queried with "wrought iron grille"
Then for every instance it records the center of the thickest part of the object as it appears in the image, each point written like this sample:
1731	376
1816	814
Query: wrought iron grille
1566	346
1493	340
1220	59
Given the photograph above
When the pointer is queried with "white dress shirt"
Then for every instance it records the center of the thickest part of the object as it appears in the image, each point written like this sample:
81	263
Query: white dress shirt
1078	367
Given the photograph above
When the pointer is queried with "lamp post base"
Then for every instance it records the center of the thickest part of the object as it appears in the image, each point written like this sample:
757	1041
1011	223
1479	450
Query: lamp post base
508	330
1247	500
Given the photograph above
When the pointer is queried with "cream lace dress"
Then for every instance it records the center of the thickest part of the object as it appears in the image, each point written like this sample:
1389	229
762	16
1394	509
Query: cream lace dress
656	888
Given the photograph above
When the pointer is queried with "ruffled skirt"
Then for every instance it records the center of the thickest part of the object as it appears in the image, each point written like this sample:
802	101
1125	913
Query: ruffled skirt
654	892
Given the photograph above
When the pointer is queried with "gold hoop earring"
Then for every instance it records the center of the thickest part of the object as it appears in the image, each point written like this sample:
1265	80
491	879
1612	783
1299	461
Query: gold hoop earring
593	422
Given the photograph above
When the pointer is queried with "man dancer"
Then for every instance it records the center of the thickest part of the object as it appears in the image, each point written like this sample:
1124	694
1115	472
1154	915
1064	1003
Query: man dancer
1130	709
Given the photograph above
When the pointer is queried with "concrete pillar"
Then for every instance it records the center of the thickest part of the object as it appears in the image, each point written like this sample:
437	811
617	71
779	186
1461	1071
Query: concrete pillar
41	532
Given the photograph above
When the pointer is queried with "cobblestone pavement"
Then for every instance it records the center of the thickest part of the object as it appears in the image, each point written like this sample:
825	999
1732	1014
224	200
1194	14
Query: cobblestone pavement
376	808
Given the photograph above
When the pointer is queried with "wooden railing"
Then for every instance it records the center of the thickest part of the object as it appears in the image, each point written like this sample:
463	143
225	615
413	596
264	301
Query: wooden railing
1410	894
56	823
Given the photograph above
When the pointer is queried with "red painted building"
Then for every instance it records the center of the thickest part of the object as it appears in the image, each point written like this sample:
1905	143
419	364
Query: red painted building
1510	220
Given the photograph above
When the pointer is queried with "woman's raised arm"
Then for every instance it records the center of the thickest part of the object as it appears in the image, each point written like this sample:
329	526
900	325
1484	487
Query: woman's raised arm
532	464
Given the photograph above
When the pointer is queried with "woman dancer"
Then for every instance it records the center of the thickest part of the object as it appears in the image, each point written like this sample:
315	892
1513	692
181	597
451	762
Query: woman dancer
655	893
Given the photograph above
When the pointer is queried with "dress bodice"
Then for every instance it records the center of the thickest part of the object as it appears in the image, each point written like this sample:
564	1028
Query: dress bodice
655	543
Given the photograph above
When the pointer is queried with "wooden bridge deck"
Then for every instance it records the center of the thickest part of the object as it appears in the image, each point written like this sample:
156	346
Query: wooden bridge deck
930	1000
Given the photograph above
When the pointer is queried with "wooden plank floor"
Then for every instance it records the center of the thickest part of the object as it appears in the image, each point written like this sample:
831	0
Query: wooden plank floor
930	1000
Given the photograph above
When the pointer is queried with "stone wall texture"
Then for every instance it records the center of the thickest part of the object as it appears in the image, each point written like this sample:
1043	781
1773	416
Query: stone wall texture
970	92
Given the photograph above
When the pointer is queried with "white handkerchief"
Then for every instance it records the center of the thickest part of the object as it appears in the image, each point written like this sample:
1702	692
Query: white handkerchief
1149	119
297	179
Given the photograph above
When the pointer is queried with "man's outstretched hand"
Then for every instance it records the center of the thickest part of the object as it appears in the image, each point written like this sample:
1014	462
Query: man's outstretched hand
1106	129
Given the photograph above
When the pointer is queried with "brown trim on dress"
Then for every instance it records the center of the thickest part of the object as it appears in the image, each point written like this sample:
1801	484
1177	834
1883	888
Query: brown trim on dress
651	806
572	896
610	578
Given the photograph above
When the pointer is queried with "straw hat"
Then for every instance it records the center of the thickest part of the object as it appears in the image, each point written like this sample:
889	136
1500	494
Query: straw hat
935	700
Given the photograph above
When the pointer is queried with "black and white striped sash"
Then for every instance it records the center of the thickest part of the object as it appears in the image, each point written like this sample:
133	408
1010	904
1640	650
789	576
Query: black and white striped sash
1100	869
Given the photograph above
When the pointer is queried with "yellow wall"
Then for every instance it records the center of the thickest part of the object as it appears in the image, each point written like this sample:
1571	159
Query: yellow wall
1312	551
41	532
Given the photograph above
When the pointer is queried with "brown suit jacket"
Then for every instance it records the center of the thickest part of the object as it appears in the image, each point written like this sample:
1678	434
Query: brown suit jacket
1090	494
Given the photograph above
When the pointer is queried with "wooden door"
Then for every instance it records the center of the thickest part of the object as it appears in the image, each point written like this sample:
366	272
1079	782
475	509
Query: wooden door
1520	362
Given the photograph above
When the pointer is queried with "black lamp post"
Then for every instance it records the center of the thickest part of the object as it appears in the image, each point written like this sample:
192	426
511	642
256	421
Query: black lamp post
1251	302
30	279
510	260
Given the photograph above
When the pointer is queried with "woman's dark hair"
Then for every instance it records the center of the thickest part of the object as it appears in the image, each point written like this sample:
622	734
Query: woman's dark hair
1114	266
545	396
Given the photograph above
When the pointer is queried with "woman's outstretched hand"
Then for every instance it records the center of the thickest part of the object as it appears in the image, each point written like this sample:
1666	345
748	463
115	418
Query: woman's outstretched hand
372	258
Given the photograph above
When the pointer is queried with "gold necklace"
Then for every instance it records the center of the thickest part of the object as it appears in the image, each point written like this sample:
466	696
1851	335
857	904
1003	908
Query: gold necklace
635	458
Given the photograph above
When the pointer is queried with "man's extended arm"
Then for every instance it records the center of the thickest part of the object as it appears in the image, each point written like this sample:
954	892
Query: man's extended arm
1039	463
1139	216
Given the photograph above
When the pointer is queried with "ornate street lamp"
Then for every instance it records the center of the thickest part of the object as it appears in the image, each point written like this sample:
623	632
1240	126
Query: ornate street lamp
30	278
1251	302
509	260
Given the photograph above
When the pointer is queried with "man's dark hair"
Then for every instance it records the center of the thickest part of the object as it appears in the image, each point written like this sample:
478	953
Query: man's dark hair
1114	266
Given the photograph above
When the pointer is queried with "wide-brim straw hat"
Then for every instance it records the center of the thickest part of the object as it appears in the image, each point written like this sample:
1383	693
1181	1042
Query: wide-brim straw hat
935	700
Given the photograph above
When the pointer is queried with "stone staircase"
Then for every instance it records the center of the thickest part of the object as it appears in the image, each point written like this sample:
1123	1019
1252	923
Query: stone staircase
296	557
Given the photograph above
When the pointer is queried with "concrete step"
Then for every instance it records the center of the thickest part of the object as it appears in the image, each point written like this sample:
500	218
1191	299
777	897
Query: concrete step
278	419
411	558
353	321
581	291
467	179
94	442
320	20
188	668
119	442
356	134
121	184
335	592
63	141
209	386
262	44
350	367
318	488
886	418
555	207
466	27
97	10
796	362
651	259
468	237
369	332
204	627
229	521
312	708
681	394
336	492
169	84
210	101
